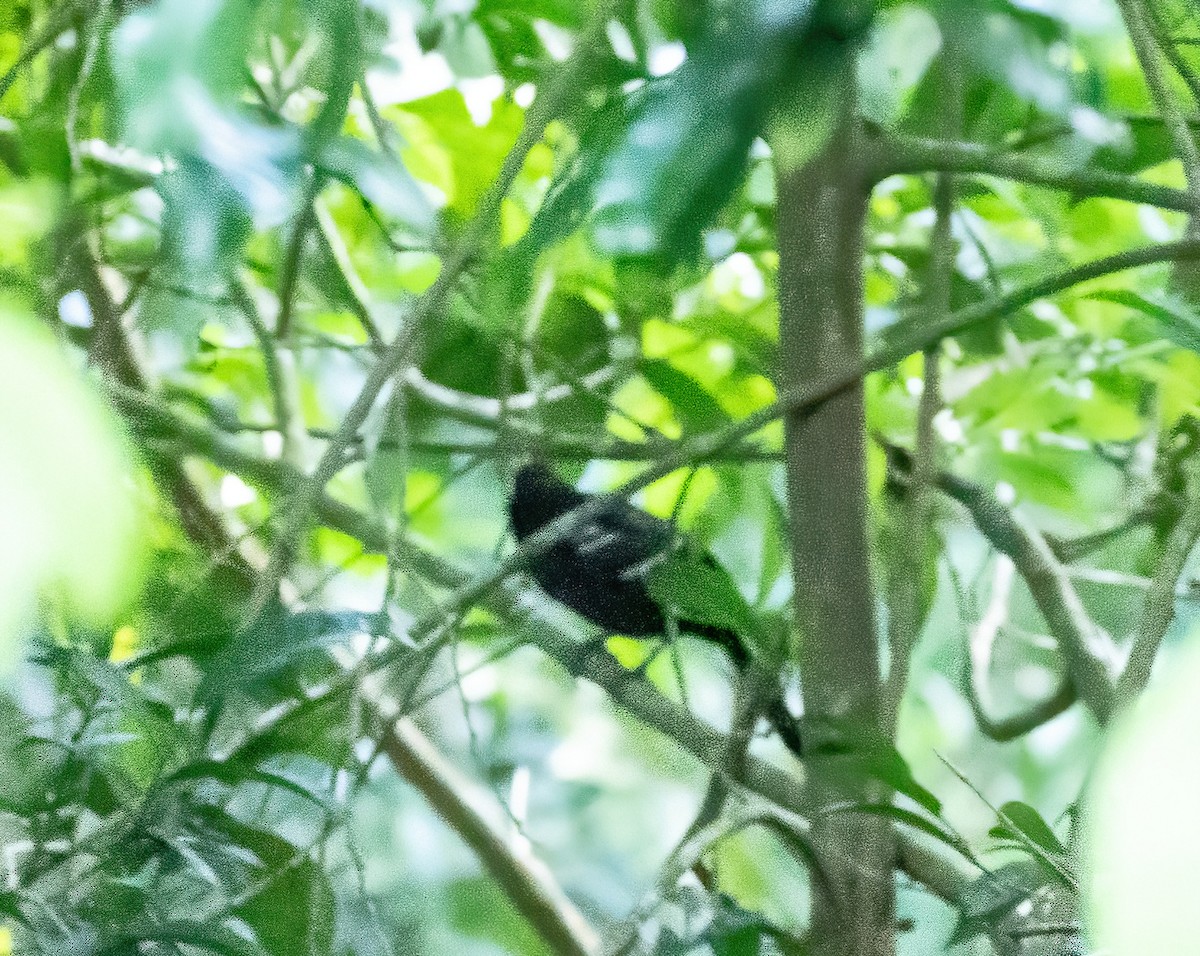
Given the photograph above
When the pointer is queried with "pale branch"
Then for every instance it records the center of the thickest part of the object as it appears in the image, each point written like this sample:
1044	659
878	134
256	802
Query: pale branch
1089	653
524	879
913	155
978	662
555	444
1158	609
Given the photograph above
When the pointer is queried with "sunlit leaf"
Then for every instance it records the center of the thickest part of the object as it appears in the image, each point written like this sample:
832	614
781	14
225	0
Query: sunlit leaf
65	497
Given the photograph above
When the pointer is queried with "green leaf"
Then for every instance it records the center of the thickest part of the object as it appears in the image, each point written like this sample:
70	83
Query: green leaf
866	751
700	591
693	405
276	644
447	149
1029	823
685	149
293	908
917	821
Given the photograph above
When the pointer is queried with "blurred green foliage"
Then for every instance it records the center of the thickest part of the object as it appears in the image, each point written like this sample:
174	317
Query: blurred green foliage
219	213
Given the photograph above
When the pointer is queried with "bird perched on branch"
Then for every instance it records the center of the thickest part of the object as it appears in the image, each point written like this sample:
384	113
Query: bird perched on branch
599	570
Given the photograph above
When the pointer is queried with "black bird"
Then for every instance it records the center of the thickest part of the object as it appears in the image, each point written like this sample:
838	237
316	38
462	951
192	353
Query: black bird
598	570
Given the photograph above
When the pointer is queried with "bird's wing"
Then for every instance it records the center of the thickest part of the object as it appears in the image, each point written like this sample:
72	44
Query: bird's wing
623	540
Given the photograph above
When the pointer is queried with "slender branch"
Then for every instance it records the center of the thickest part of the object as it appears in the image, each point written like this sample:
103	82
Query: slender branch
910	154
1170	49
1069	550
524	879
1088	651
113	351
1133	12
239	291
978	663
353	287
708	826
1158	609
909	571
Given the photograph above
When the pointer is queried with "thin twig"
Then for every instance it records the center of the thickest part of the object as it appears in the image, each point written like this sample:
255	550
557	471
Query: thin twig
978	663
396	357
1158	609
525	880
910	154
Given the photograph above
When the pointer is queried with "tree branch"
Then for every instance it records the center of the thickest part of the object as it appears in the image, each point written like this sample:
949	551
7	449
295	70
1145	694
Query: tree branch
1088	651
978	662
524	879
911	154
1158	610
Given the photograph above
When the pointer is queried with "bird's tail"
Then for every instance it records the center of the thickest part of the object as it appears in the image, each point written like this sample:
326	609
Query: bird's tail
776	712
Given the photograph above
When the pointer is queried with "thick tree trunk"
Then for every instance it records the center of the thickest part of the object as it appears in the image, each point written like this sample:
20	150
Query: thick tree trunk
822	206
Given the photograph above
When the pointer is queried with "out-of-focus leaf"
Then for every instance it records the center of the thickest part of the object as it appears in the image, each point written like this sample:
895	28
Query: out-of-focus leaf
686	146
1142	832
1173	315
179	67
477	910
292	908
278	642
383	182
1011	47
903	42
65	504
994	895
1147	143
693	405
447	149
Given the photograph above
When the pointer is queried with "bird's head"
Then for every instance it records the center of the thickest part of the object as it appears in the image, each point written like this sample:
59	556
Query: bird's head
539	496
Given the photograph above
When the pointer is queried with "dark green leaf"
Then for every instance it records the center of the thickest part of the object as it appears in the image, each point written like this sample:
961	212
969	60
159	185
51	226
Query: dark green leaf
700	591
1028	822
692	403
